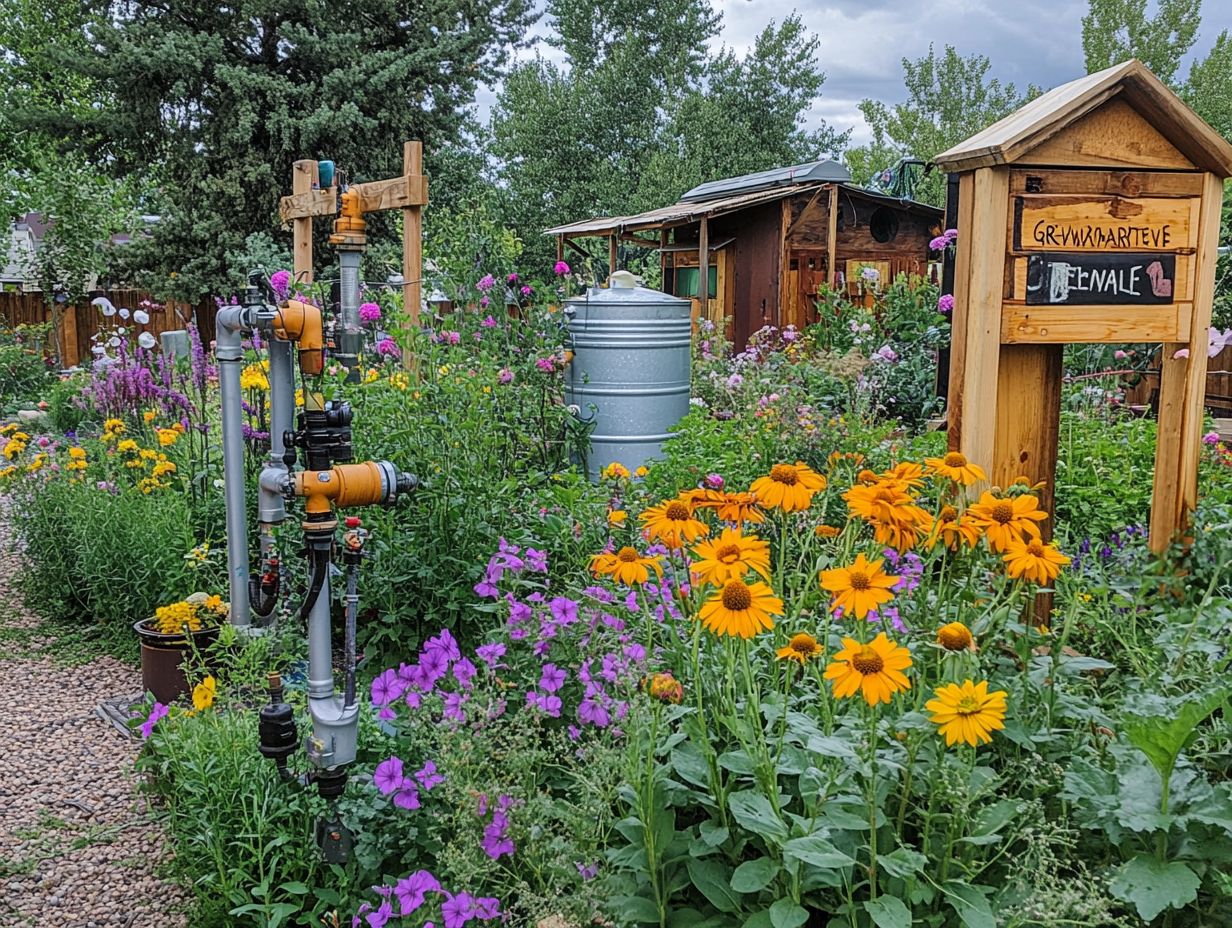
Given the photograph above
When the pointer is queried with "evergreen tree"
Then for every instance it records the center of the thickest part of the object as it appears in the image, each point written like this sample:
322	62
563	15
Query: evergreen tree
1116	30
949	99
209	105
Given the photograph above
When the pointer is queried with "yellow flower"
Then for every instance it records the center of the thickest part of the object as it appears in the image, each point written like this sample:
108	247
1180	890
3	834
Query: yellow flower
168	437
149	454
625	566
731	556
177	427
954	530
13	448
127	446
203	694
253	377
1033	560
673	523
8	428
37	464
788	486
664	687
617	517
76	464
372	375
177	618
614	471
860	588
826	531
729	507
955	636
641	471
162	468
8	471
77	454
740	609
967	712
802	648
149	416
955	466
399	380
875	670
114	426
1006	520
907	474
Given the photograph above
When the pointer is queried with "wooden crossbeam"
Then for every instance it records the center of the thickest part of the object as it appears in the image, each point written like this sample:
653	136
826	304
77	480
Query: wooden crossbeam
308	204
393	193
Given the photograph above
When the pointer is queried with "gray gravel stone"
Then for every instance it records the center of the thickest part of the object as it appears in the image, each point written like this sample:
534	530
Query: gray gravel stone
78	849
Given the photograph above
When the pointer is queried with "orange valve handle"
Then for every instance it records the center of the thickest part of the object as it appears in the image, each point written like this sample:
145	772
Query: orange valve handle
300	322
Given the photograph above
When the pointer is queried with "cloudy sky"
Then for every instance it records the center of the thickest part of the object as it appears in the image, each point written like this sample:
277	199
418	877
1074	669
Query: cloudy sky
864	41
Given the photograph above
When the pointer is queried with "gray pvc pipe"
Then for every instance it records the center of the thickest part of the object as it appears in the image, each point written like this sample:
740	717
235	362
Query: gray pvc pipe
231	323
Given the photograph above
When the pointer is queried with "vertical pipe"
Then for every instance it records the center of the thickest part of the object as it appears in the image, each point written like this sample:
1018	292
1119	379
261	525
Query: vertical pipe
320	662
349	331
230	355
282	395
352	616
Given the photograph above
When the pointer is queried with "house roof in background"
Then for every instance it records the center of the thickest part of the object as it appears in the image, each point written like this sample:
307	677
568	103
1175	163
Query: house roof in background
791	176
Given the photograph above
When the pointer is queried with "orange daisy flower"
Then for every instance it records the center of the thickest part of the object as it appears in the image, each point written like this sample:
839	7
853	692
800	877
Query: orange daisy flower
673	523
955	466
730	556
741	609
1006	520
625	566
860	588
875	670
788	486
1033	560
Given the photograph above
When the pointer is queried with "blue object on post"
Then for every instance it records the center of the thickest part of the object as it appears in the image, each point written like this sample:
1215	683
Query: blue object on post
325	172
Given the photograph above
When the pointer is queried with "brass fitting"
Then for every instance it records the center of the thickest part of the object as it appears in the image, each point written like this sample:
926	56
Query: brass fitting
350	228
300	322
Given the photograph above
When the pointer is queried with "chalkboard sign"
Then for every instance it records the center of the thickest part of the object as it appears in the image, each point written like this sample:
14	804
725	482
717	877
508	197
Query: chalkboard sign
1100	279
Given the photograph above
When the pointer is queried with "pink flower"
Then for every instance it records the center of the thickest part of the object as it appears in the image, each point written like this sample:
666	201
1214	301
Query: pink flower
1211	438
486	283
505	376
511	279
280	283
945	303
545	365
387	347
1119	355
526	291
561	269
369	312
487	322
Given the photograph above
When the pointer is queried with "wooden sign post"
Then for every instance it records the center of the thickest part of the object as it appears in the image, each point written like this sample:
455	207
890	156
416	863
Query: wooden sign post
408	192
1090	215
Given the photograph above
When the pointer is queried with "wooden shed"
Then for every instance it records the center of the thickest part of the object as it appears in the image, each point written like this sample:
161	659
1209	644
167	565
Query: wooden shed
752	251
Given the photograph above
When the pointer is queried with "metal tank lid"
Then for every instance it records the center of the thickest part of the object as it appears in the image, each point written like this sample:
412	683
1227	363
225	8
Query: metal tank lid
622	290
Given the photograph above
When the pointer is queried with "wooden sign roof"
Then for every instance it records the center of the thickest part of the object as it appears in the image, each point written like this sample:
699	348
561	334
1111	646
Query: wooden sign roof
1130	84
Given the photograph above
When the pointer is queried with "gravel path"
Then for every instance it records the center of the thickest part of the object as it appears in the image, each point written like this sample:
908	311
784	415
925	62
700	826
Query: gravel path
77	846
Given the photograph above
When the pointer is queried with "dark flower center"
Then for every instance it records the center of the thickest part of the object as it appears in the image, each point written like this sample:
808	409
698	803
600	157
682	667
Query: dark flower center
628	555
676	511
868	662
728	554
859	580
736	596
784	473
956	459
1003	512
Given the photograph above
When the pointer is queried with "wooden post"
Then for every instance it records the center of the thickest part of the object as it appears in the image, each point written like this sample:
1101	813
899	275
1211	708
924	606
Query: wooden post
663	260
412	237
70	356
560	248
703	266
1182	389
304	177
611	255
832	238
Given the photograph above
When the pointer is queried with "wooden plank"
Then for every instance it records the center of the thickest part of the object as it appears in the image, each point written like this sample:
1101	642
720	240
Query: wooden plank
703	262
1114	134
1086	222
308	203
412	237
613	254
1107	183
960	218
304	177
1182	390
69	337
1053	325
979	285
832	238
1027	429
394	192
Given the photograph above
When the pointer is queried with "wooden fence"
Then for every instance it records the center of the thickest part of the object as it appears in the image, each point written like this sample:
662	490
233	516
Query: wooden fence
80	322
1145	391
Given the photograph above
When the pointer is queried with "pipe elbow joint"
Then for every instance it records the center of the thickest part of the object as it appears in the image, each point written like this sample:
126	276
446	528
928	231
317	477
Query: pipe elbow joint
301	323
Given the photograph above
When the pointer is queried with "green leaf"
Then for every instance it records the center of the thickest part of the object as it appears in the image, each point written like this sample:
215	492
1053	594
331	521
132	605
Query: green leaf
902	862
295	888
736	762
996	816
753	811
1153	886
1160	727
970	904
710	878
688	762
888	912
712	833
759	920
786	914
754	875
816	851
636	909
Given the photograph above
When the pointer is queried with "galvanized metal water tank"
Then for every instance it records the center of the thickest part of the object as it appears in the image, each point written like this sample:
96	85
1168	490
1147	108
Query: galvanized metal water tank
630	369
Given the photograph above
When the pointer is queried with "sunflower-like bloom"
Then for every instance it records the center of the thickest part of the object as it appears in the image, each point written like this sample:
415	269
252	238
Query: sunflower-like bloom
953	530
907	474
954	636
203	694
730	556
860	588
903	531
1009	519
826	531
625	566
788	487
802	648
955	466
875	670
967	712
673	523
1033	560
729	507
885	501
740	609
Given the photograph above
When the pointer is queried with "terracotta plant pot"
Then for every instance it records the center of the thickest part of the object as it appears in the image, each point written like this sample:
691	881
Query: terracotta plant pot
162	656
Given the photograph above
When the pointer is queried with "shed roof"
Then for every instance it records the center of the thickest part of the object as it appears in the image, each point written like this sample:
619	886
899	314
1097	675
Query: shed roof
1009	139
685	213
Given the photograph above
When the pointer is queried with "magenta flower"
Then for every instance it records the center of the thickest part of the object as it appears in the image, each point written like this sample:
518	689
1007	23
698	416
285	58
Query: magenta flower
280	283
491	654
505	376
512	279
714	481
488	322
388	776
486	283
1211	438
545	365
428	777
457	910
369	312
387	347
158	712
945	303
387	687
552	678
561	269
526	290
407	796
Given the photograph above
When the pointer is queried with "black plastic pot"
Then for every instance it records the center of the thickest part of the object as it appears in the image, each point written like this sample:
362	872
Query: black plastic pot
162	657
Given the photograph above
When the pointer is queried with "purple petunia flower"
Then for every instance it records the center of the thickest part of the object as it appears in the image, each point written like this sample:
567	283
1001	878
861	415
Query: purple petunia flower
387	687
158	712
428	777
488	322
412	890
388	776
463	671
537	560
407	796
457	910
564	610
552	678
491	653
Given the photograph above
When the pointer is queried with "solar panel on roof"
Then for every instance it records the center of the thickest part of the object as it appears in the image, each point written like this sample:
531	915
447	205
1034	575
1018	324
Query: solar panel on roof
814	171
